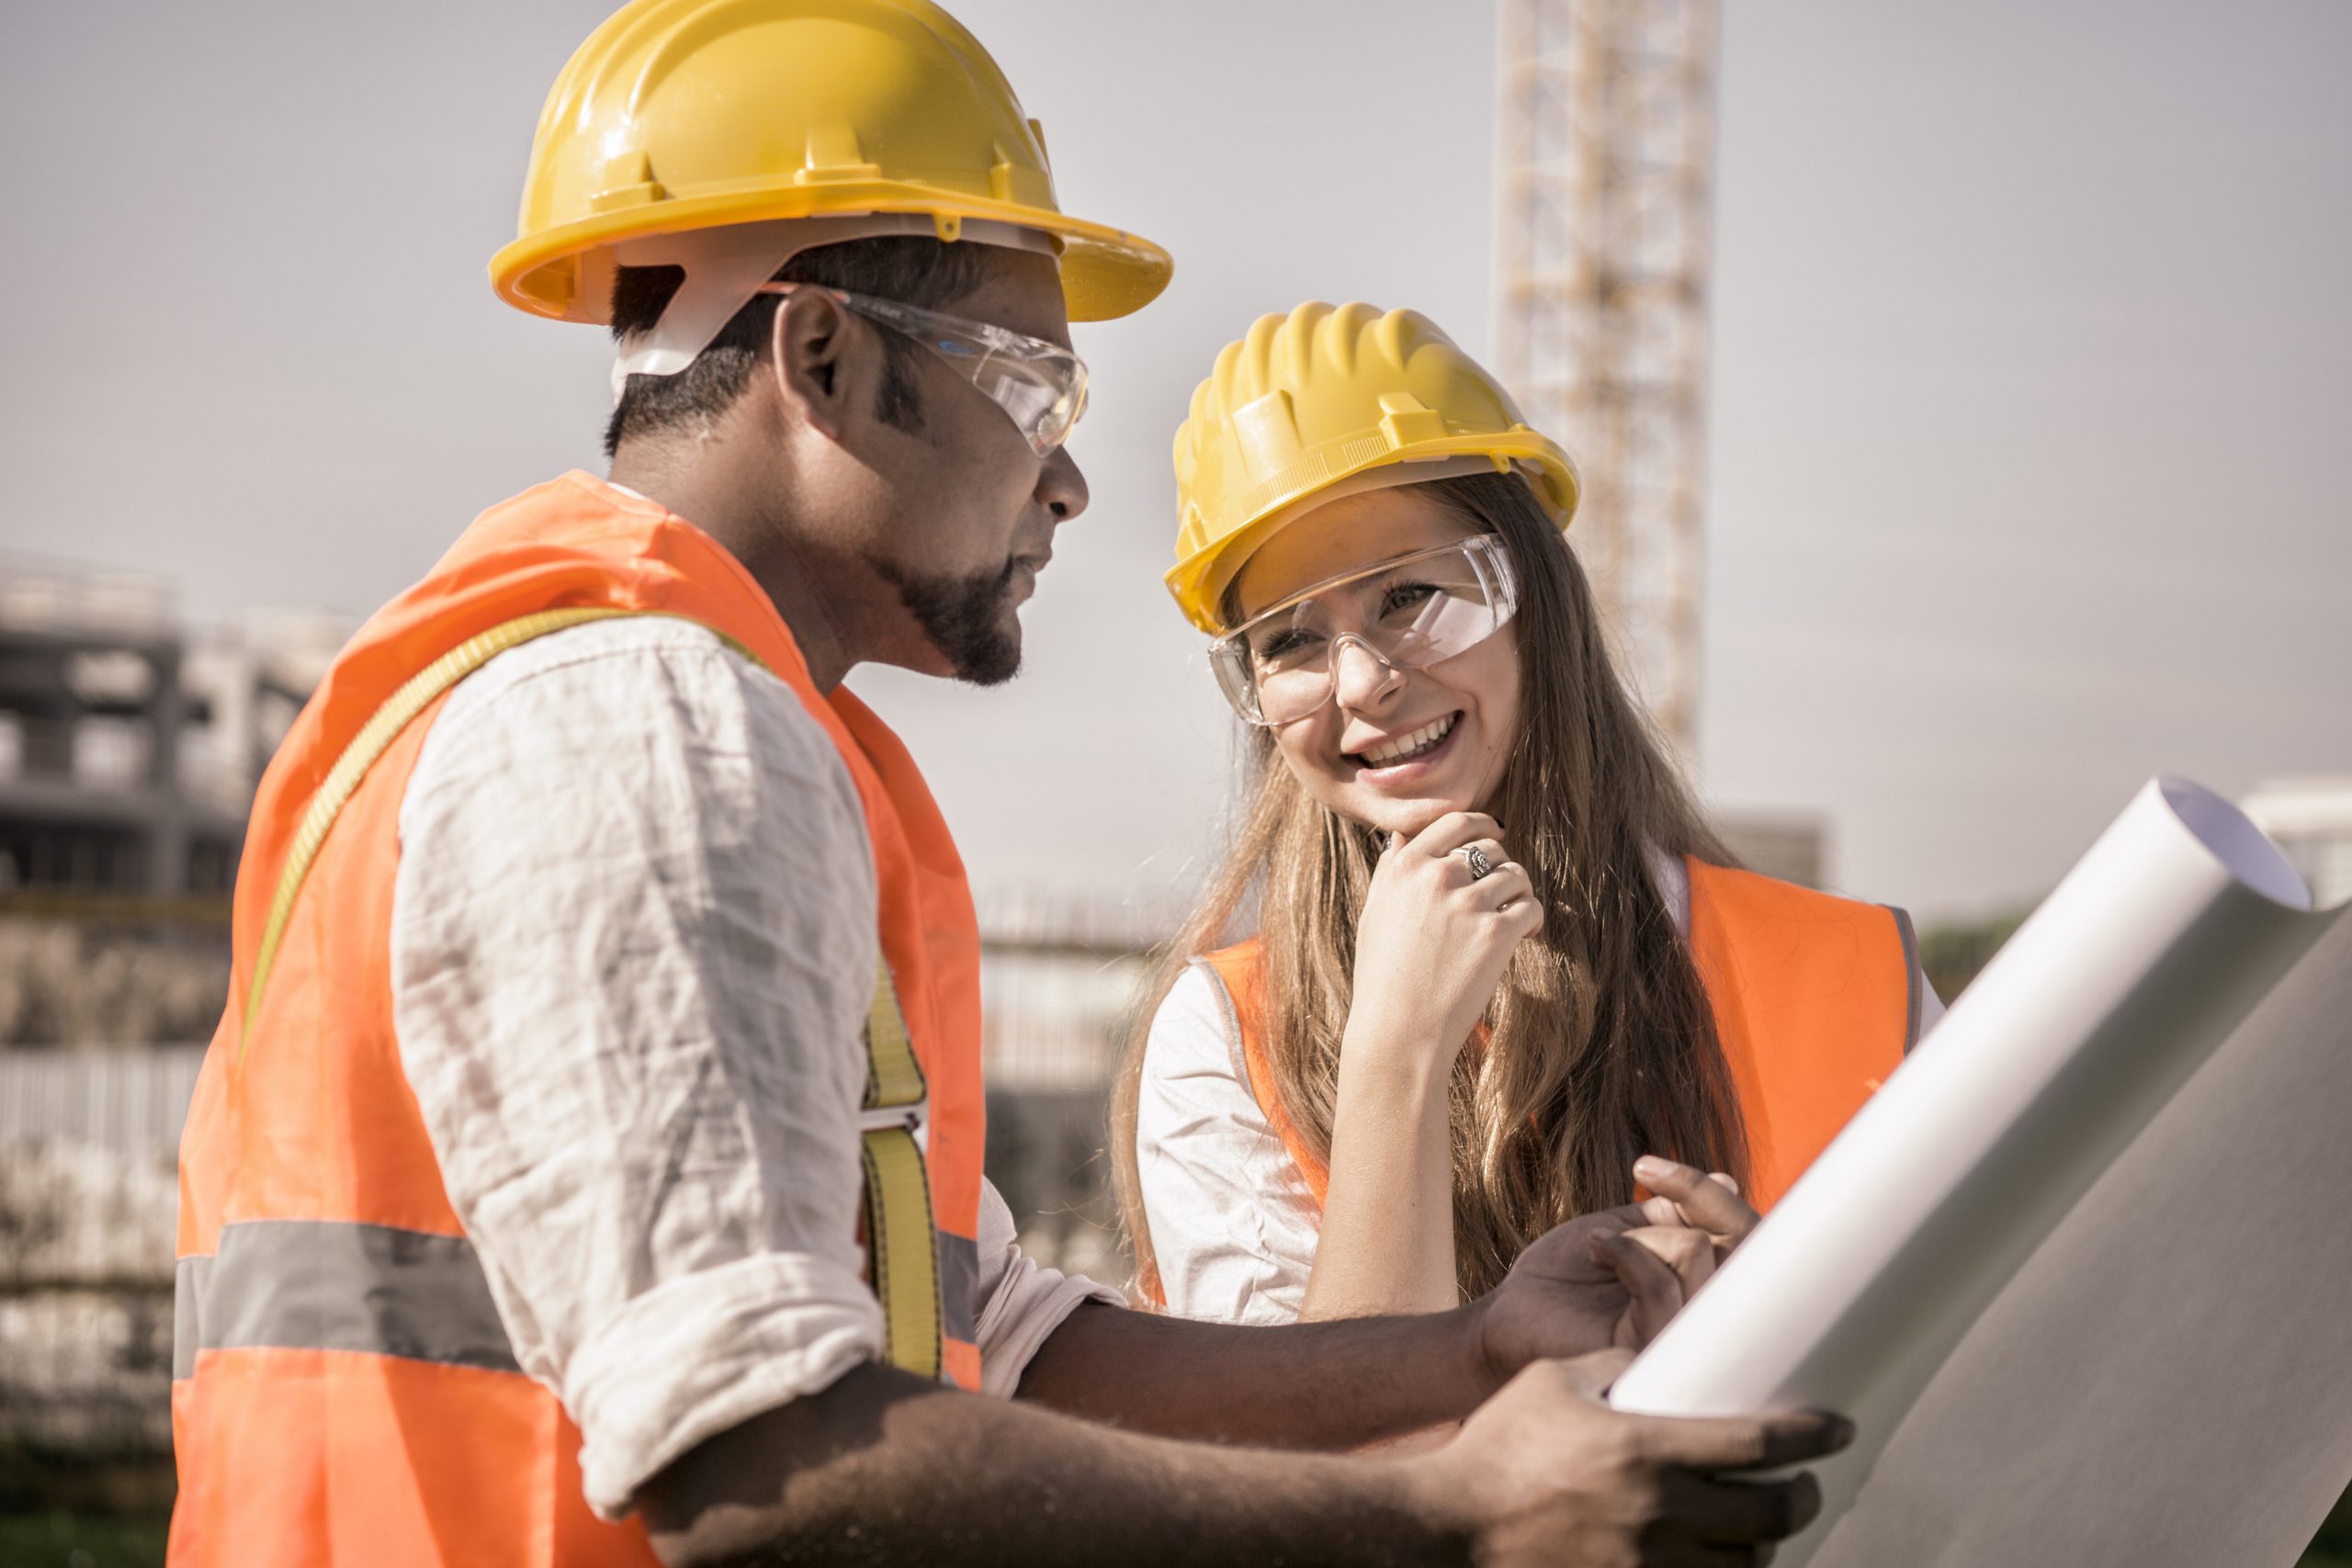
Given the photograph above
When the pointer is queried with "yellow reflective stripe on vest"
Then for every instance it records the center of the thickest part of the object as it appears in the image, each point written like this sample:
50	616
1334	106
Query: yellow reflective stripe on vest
902	1239
893	1077
901	1248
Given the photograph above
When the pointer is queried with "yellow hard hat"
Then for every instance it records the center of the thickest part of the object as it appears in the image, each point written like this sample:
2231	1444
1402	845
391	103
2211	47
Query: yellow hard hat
1323	402
682	116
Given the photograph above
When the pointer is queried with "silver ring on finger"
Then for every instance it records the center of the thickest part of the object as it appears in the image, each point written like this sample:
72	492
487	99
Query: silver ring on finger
1475	858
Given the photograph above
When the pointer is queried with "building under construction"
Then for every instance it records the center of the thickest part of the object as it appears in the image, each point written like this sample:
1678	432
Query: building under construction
1605	156
129	756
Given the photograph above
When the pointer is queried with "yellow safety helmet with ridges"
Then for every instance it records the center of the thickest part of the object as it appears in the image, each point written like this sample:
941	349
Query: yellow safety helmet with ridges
1308	403
678	116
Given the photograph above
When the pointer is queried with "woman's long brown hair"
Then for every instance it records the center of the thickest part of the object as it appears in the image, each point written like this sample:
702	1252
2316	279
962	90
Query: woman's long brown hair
1602	1045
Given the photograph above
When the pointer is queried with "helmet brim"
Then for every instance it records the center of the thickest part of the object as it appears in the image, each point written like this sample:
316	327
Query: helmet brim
1198	581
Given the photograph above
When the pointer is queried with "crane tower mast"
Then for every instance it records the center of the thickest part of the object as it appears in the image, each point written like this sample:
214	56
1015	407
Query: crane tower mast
1606	159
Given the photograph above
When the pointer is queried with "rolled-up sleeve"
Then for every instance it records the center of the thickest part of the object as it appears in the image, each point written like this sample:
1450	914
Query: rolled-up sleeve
633	945
1019	1302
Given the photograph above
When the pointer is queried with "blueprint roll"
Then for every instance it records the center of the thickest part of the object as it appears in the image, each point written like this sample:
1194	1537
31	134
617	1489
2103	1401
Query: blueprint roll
2128	978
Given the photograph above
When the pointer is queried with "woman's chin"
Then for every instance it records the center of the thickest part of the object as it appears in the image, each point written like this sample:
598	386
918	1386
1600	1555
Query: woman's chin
1407	816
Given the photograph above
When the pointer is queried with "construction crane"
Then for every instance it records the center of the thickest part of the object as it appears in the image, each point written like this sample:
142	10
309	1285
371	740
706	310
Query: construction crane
1606	159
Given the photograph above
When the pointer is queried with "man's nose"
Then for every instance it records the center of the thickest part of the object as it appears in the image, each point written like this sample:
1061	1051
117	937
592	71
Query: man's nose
1061	488
1360	676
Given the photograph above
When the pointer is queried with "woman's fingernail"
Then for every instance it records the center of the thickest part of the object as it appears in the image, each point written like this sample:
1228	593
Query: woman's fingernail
1649	1168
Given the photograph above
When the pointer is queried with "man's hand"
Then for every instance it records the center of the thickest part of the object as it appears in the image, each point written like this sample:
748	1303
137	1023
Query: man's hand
1612	1278
1546	1473
1565	1296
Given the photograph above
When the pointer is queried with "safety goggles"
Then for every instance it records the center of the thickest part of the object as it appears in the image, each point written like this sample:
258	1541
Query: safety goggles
1041	386
1409	613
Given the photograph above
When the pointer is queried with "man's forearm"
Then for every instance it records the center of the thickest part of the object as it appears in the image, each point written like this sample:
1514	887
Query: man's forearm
882	1468
1309	1386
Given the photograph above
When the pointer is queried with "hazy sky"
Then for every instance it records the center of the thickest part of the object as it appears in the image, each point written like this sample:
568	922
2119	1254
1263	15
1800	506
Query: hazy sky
2032	364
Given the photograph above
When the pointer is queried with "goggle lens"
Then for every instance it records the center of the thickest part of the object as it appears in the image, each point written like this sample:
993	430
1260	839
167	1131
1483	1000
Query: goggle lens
1411	612
1040	385
1043	401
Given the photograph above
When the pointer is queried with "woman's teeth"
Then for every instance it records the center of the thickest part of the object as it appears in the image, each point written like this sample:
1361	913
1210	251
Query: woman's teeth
1407	746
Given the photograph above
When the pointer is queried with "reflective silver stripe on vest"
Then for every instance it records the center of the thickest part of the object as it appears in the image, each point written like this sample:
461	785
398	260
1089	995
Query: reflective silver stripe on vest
959	1283
334	1285
189	1282
1911	981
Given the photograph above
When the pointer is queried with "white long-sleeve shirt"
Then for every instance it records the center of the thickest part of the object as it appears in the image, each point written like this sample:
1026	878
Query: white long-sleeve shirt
633	945
1233	1225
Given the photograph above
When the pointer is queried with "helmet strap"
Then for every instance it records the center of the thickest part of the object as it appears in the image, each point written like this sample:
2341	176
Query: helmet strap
726	265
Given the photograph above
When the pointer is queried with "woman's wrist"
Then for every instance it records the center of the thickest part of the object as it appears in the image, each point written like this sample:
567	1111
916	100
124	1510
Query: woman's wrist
1388	1062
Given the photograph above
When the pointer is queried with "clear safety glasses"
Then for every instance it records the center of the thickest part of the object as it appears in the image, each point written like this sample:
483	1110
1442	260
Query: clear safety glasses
1408	612
1041	386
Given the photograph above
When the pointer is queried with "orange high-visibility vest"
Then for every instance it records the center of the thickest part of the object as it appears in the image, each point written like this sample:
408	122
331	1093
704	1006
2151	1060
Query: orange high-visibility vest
1816	999
342	1390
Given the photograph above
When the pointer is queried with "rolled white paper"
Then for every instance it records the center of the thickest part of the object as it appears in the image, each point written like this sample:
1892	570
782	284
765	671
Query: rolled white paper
1879	1261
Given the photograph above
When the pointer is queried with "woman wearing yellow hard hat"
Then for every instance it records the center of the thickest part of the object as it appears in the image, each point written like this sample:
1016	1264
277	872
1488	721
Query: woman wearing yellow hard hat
1496	956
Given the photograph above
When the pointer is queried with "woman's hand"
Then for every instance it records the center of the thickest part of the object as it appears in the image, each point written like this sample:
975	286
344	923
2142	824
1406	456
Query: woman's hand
1614	1278
1431	946
1691	1222
1432	941
1712	1202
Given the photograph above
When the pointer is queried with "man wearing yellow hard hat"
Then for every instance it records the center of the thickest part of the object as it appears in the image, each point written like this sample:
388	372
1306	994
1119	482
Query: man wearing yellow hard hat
588	1167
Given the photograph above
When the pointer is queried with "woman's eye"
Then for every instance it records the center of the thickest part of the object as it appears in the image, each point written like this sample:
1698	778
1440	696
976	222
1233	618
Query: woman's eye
1402	596
1282	645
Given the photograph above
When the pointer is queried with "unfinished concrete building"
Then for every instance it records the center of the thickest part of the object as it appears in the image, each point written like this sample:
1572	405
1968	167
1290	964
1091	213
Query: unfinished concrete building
128	755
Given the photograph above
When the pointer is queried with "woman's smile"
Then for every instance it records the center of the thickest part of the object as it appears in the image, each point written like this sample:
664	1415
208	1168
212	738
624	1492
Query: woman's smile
1412	745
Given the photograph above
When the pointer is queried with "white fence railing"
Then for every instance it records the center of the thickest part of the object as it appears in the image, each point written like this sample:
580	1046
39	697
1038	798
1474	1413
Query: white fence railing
87	1144
89	1134
88	1205
129	1099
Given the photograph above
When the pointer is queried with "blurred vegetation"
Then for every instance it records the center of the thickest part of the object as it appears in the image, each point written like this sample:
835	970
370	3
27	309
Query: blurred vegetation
2331	1547
103	981
1952	953
82	1540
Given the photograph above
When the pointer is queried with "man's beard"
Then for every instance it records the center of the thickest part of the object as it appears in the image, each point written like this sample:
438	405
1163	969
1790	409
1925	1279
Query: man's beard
965	618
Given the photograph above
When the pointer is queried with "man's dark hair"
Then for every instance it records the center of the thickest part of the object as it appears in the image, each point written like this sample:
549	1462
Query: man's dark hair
912	269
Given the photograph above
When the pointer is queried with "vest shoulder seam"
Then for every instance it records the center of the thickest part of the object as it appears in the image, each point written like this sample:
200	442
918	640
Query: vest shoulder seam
1235	1058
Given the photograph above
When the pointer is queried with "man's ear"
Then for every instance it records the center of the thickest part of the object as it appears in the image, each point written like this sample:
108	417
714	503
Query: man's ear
809	351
